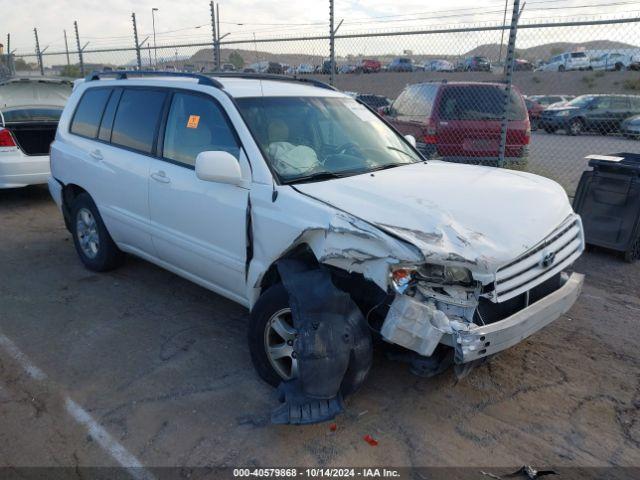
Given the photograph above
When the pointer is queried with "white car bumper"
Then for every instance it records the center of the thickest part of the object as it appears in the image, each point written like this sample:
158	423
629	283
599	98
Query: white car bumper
20	170
489	339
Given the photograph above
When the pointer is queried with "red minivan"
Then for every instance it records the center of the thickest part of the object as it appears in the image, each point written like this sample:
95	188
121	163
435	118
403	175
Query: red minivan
461	121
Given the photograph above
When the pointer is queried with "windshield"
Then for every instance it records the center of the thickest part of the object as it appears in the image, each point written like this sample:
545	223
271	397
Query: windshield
581	101
578	55
322	137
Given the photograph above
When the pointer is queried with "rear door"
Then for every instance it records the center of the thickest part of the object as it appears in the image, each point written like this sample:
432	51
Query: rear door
598	114
126	144
199	227
469	122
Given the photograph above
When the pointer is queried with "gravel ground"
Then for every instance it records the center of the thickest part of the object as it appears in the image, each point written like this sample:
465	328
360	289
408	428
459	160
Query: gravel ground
161	367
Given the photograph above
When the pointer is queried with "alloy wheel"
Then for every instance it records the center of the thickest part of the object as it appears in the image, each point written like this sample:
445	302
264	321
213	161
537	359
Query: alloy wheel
279	336
87	232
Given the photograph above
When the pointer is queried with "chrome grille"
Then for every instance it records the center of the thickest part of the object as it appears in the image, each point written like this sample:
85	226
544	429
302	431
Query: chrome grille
546	259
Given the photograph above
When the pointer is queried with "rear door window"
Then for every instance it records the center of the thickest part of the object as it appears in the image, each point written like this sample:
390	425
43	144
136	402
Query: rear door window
196	124
137	119
479	103
86	119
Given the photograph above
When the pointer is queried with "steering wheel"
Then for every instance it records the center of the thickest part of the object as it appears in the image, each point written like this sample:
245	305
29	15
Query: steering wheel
349	147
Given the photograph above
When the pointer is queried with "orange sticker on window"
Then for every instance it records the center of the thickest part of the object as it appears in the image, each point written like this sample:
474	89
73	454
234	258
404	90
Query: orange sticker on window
193	121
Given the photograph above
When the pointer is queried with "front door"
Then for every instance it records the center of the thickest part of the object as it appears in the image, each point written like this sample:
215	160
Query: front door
198	227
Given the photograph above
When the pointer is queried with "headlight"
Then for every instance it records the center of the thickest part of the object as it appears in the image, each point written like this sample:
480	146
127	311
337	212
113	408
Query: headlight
402	277
564	113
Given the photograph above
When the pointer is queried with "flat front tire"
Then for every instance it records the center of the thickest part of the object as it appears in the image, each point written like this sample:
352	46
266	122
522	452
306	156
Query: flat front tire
95	247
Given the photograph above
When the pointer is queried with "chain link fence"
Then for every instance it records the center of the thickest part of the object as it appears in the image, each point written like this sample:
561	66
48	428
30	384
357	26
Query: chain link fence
576	83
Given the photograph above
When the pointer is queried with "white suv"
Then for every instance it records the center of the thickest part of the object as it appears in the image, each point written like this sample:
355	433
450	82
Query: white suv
303	205
566	62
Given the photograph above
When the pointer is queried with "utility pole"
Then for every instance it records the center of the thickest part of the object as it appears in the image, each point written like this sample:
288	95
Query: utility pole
504	24
66	47
332	45
135	38
38	52
219	37
155	48
508	74
75	27
214	35
9	56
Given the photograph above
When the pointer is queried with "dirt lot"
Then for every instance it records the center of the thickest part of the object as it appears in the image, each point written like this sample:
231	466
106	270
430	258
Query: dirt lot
139	364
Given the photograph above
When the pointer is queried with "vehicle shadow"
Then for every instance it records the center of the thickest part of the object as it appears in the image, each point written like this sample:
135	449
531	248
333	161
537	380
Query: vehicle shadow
31	195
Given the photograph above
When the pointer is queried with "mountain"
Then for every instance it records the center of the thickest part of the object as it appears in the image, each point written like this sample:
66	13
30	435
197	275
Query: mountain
543	52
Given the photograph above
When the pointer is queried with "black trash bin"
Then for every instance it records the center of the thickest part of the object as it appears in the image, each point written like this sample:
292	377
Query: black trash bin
608	200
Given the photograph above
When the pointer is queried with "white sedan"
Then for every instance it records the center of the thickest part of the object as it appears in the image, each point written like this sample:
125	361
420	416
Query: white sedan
29	114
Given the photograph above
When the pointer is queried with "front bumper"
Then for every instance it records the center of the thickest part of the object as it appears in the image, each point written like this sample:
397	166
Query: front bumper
558	123
486	340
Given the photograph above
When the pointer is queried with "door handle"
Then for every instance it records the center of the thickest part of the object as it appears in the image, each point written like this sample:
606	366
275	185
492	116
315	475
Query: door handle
96	155
160	177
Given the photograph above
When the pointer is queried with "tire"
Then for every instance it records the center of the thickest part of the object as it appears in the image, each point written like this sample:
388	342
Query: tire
561	68
576	127
633	253
274	300
619	67
95	247
550	130
268	306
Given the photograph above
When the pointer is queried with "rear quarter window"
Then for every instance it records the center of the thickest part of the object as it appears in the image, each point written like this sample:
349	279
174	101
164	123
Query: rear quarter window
88	114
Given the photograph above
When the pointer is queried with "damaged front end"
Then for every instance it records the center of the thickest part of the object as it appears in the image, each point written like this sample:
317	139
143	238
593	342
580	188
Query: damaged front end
441	304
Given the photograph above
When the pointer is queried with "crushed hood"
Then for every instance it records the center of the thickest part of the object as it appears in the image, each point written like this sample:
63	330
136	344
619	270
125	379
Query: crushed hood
480	217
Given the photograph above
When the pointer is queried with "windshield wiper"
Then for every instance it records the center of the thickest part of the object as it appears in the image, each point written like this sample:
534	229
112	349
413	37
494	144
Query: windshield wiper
314	177
395	149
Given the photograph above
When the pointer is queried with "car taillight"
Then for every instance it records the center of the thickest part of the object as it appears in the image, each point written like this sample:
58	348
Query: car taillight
527	135
6	139
430	134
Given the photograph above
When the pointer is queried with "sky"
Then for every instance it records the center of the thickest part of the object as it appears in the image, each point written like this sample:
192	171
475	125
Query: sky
106	23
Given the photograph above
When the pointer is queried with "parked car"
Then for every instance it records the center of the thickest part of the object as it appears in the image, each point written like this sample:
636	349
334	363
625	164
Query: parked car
551	100
438	66
521	65
534	110
566	62
305	207
369	66
29	112
347	68
265	67
402	64
476	64
325	68
615	62
461	121
376	102
630	128
304	69
228	67
599	113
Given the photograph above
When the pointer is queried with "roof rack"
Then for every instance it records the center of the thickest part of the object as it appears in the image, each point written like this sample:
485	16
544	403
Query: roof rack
208	79
272	76
124	74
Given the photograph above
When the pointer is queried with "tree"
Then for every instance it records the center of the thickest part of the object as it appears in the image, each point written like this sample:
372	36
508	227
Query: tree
20	65
72	71
236	59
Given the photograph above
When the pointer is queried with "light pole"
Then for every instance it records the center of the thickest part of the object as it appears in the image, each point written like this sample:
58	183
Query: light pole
155	50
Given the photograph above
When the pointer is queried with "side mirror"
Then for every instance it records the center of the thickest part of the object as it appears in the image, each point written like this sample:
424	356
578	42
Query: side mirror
411	139
218	166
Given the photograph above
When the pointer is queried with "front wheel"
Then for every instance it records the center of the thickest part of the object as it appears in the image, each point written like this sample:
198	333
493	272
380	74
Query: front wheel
271	337
95	247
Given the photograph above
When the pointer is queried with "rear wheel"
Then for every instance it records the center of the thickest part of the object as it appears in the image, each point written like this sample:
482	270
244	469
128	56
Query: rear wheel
576	127
95	247
561	68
